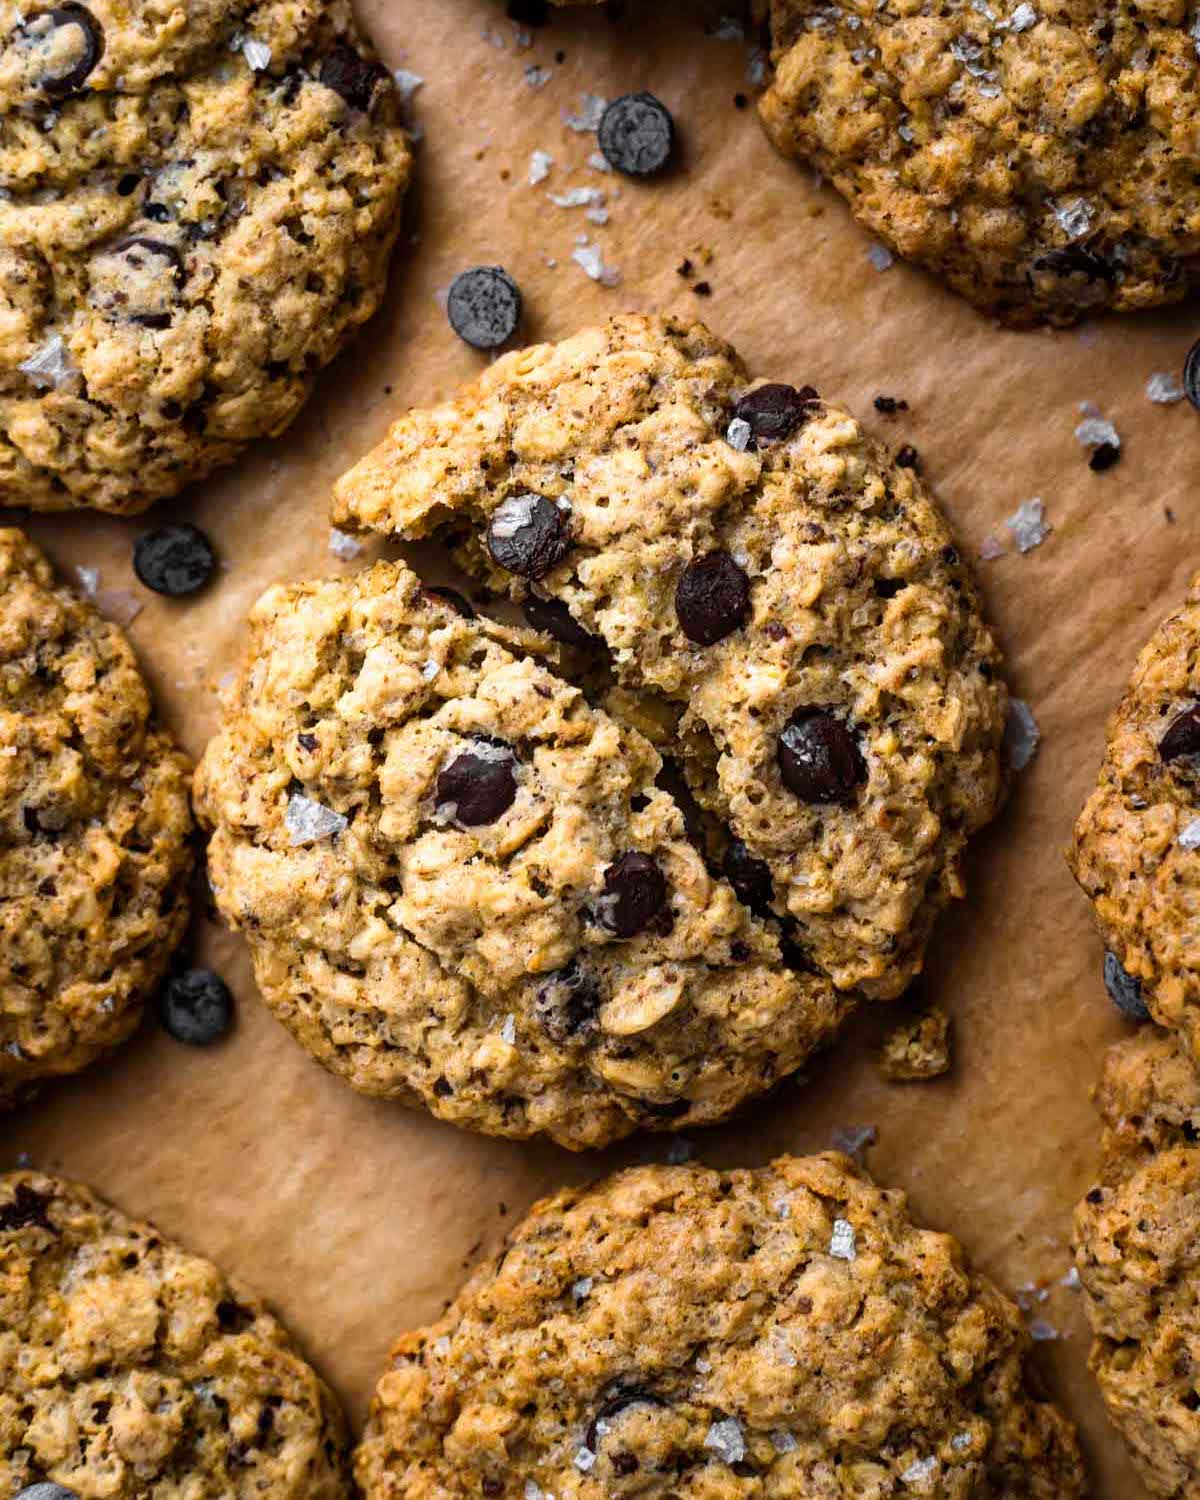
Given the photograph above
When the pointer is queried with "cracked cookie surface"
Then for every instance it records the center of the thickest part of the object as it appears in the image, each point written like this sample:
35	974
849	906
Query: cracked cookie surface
679	1331
197	211
1038	157
95	829
752	560
130	1368
462	888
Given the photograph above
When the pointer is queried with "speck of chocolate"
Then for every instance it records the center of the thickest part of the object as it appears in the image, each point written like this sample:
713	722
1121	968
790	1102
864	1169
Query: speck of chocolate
909	458
1104	457
890	405
703	289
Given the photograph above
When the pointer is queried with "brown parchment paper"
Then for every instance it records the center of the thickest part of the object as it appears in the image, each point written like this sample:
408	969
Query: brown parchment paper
355	1218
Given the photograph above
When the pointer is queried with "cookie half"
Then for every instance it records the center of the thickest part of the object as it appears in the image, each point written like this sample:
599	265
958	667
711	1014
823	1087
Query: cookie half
1038	158
196	214
463	888
95	829
753	561
130	1368
679	1331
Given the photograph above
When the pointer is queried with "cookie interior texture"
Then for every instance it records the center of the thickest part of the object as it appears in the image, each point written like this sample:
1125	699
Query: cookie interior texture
130	1368
1038	157
95	829
462	887
836	603
679	1331
198	210
1132	851
1138	1253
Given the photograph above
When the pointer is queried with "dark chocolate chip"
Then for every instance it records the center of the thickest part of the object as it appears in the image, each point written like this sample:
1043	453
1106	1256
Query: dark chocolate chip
26	1210
91	44
637	135
352	77
890	405
567	1001
528	535
1182	736
1074	260
749	876
635	893
1191	375
819	758
195	1007
622	1397
484	306
307	742
1124	990
775	411
1103	456
712	598
46	1489
553	618
174	560
478	786
457	602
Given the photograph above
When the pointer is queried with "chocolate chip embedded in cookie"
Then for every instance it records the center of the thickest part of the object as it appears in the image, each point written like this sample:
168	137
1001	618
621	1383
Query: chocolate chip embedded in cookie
95	830
462	887
130	1368
756	564
1038	158
195	217
673	1330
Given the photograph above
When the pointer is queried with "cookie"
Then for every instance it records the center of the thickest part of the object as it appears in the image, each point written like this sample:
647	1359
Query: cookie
679	1331
1037	157
1134	849
129	1368
95	830
918	1048
463	888
1137	1234
197	212
755	563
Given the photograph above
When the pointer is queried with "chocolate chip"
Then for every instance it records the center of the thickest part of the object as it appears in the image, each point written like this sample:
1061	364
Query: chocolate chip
1182	736
908	458
528	535
484	306
635	893
457	602
233	1317
750	877
1074	260
819	758
775	411
1124	990
1103	456
890	405
307	742
25	1210
195	1007
478	786
712	598
567	1001
352	77
174	560
46	1489
1191	375
553	618
91	49
623	1396
637	135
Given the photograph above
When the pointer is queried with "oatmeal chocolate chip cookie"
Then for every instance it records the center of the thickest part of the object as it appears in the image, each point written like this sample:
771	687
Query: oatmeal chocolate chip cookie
1137	1235
129	1368
752	559
95	830
1135	845
679	1331
462	887
1039	157
197	208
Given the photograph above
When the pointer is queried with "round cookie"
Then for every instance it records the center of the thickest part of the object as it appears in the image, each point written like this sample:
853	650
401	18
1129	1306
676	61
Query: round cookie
463	889
678	1331
129	1368
1137	1235
198	210
755	562
1134	850
95	830
1038	157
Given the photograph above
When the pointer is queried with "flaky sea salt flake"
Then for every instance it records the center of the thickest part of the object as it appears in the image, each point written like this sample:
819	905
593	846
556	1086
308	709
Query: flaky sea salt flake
1028	524
1021	734
880	257
89	580
1042	1332
841	1241
585	1459
1094	431
587	118
257	55
783	1441
539	167
1164	389
1075	217
49	366
309	821
1024	18
921	1472
590	259
508	1030
342	545
538	78
1189	837
726	1439
738	434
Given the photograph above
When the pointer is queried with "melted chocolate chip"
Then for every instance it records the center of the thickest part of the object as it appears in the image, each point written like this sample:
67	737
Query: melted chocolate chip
1191	375
1124	990
353	78
635	893
775	411
528	535
553	618
91	41
749	877
457	602
712	598
1074	260
621	1398
26	1210
819	758
1182	736
567	1002
478	786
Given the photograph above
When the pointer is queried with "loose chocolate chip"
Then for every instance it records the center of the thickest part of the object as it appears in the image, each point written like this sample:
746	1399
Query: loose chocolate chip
1074	260
712	598
567	1001
456	601
622	1397
195	1007
1191	375
484	306
1182	736
890	405
1103	457
353	78
91	49
750	877
819	758
478	786
1124	990
637	135
174	560
775	411
552	617
26	1210
46	1489
635	892
528	535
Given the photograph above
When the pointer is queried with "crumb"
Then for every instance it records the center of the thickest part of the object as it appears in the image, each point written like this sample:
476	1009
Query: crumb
890	405
684	268
908	458
703	289
918	1048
